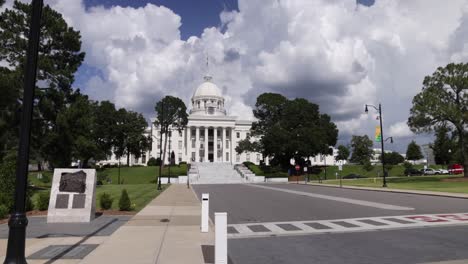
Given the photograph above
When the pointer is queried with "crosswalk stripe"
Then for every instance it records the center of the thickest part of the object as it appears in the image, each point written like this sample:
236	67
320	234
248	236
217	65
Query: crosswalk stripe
346	225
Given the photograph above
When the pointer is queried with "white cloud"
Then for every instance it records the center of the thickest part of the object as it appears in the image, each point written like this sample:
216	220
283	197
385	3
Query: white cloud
325	50
399	130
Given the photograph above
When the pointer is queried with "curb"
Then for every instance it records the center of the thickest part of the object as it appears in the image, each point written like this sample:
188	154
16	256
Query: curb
441	194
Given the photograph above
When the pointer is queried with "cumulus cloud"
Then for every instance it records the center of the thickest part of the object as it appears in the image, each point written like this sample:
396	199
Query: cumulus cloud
329	51
399	130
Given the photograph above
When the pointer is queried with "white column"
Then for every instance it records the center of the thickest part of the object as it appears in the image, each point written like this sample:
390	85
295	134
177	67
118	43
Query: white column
197	143
215	144
223	145
206	144
231	144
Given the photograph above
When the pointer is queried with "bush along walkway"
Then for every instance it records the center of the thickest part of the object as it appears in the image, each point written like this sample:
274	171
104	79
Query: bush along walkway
167	230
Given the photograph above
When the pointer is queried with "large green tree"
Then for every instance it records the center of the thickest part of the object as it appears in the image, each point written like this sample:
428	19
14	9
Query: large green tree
288	129
393	158
343	153
443	146
361	149
171	115
59	57
413	151
444	101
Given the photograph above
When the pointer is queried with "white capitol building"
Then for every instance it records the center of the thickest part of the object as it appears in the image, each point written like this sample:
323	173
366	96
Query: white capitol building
211	135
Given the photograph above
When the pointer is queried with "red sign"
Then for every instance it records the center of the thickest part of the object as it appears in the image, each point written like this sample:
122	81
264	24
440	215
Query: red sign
298	167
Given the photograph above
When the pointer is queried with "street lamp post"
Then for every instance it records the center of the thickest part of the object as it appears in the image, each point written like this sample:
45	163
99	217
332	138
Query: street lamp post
160	146
18	221
170	157
379	109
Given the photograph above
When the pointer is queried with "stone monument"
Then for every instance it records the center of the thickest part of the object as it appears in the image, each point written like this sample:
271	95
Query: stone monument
73	196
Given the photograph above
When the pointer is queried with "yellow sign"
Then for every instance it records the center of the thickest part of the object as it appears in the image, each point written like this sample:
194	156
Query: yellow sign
378	134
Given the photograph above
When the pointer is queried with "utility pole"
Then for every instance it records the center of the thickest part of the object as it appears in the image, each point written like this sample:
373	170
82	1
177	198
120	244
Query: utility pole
160	145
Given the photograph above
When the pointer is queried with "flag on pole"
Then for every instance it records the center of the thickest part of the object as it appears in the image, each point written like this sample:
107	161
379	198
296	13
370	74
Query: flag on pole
378	134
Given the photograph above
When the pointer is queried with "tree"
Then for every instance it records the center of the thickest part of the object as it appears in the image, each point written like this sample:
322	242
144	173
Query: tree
343	153
413	152
59	58
393	158
443	146
129	134
171	114
362	149
444	101
288	129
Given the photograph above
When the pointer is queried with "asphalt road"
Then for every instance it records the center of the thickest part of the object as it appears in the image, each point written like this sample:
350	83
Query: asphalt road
291	202
249	204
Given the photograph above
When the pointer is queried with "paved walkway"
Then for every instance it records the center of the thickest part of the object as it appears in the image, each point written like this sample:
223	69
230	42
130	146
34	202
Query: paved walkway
166	231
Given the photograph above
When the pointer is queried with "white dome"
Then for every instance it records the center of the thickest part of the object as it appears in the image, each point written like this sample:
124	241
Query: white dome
207	89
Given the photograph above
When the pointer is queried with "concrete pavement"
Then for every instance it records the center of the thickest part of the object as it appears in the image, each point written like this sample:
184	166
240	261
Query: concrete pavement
166	231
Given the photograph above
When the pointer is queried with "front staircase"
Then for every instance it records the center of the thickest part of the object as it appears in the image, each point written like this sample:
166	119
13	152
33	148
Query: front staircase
215	173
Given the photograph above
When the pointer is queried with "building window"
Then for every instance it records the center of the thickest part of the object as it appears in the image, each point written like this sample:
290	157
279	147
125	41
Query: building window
238	134
193	143
237	157
227	156
227	143
180	133
247	135
247	156
180	144
227	133
180	157
258	158
143	159
193	156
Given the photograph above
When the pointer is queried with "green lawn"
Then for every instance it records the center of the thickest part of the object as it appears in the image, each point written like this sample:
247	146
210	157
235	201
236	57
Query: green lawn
424	183
143	175
140	194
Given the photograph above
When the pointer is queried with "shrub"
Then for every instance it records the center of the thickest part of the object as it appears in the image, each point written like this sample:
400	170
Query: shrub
154	162
105	201
124	202
407	165
3	211
7	182
368	166
45	178
29	202
43	201
247	163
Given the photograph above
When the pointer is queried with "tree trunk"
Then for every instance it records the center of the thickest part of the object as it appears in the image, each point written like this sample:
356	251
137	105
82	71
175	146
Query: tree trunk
128	158
163	159
463	150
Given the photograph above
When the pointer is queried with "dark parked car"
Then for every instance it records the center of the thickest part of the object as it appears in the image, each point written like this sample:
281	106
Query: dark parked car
412	172
353	176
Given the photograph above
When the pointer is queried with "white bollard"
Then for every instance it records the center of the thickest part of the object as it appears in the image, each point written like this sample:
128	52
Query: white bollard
221	238
205	212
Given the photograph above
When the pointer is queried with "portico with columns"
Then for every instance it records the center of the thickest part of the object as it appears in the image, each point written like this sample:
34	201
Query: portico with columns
210	135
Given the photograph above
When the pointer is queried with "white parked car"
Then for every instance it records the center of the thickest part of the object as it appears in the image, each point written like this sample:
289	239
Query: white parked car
443	171
429	171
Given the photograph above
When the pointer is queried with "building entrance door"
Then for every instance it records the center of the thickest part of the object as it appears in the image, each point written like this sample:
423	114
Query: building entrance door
210	157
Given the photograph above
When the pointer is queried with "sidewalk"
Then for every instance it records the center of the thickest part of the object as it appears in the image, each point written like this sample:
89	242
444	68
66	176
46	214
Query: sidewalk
166	231
442	194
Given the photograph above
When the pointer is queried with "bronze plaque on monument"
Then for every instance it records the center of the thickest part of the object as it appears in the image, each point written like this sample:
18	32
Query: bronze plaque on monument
73	182
79	201
62	201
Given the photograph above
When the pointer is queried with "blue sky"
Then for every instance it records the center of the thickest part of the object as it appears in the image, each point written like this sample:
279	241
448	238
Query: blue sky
196	14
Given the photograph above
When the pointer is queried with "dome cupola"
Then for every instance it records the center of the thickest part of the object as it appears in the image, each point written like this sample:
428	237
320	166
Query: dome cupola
207	99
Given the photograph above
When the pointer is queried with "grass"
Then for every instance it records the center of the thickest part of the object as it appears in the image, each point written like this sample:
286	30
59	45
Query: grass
143	175
423	183
140	194
128	175
396	171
